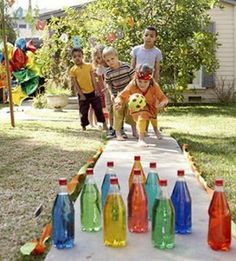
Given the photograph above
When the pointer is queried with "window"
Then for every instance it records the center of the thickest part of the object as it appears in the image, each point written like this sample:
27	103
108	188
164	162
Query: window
22	26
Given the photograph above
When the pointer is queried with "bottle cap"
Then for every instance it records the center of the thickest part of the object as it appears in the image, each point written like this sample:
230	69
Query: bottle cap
110	164
180	172
137	158
219	182
62	181
163	182
137	172
114	180
89	171
152	165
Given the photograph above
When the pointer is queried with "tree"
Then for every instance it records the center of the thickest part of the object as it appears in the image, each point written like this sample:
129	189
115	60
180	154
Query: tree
183	32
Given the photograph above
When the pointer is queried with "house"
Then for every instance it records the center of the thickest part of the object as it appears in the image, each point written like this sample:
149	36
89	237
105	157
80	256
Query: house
205	87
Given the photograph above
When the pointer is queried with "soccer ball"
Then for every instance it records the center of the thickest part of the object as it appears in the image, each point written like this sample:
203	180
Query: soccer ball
136	102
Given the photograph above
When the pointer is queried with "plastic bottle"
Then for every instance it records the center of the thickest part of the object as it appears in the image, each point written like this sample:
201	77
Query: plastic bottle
219	229
152	187
137	205
63	218
137	165
163	220
114	217
182	203
90	204
106	180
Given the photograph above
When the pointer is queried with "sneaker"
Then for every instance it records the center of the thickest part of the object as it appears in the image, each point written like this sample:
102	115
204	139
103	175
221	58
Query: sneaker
123	134
111	133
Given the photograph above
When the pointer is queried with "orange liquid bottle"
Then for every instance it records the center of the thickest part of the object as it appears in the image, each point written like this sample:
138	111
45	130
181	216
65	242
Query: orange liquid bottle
219	229
137	165
137	205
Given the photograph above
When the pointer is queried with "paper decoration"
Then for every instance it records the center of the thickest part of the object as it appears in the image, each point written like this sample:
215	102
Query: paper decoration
30	46
76	42
111	37
21	43
40	25
9	50
18	95
119	33
64	38
27	248
19	13
92	41
1	56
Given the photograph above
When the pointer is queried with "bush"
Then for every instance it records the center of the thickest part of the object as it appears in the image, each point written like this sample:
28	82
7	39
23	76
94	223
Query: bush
39	102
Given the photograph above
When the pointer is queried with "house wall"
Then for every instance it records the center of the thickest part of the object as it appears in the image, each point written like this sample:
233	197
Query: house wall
225	22
225	25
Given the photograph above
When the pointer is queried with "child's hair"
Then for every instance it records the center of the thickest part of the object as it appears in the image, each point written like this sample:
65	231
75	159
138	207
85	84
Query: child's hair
108	51
151	28
97	49
144	72
78	49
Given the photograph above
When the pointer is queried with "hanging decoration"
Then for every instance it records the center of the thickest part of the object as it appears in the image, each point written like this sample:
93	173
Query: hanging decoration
40	25
92	41
130	21
111	37
10	2
64	38
19	13
119	33
76	42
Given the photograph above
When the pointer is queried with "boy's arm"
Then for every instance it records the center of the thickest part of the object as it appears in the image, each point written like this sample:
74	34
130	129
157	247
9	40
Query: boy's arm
93	81
162	100
133	62
157	71
76	87
110	92
123	96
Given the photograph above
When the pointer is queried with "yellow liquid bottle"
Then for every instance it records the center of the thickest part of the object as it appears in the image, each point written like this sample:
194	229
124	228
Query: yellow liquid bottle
137	165
114	217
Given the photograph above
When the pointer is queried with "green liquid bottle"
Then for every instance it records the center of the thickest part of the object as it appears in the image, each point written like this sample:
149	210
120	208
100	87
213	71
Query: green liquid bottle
90	204
163	220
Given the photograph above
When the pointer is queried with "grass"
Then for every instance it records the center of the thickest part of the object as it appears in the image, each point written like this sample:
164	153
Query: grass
210	132
35	153
33	156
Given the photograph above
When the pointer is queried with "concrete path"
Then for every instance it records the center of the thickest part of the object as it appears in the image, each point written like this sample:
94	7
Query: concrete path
168	155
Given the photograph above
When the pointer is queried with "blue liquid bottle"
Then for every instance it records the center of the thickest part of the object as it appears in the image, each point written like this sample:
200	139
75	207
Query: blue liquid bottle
152	187
181	200
106	181
63	218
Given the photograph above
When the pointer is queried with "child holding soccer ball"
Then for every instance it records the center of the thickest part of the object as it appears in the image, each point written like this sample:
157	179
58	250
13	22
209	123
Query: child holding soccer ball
141	112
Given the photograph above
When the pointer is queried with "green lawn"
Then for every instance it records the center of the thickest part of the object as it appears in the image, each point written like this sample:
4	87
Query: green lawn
33	156
36	153
210	132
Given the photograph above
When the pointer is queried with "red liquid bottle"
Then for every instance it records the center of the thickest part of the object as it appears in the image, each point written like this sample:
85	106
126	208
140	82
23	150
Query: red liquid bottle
219	229
137	205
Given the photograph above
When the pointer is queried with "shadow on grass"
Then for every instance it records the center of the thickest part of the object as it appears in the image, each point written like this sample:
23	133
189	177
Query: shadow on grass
203	110
28	176
65	129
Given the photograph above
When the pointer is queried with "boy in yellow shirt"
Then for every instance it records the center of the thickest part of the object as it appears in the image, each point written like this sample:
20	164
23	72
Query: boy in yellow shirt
83	81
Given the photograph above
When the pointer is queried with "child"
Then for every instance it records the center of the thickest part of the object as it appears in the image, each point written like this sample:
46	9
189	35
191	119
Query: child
84	82
118	76
147	53
100	69
154	97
